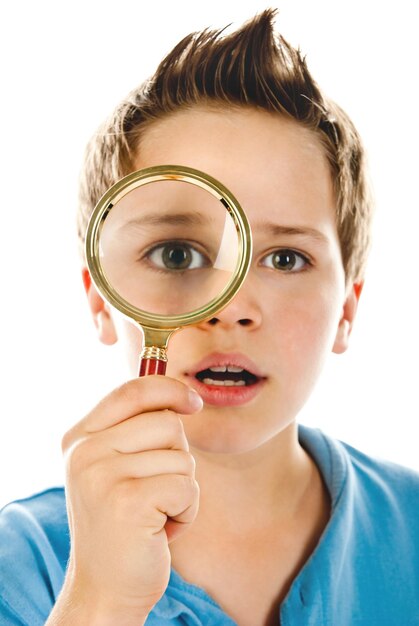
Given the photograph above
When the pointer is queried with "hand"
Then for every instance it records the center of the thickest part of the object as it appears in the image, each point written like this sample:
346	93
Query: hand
131	489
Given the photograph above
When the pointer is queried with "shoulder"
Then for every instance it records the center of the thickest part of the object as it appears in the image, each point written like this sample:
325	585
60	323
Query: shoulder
34	548
394	482
337	458
49	501
368	555
385	504
40	517
370	487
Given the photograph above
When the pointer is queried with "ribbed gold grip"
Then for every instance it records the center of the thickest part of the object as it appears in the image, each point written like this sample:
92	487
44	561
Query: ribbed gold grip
152	352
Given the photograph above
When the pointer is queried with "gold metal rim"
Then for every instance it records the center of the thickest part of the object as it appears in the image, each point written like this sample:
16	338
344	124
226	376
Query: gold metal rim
154	174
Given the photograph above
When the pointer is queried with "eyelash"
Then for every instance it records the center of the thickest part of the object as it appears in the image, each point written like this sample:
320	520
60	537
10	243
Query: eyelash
290	251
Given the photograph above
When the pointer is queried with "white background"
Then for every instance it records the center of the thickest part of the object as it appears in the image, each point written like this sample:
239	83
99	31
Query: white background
64	67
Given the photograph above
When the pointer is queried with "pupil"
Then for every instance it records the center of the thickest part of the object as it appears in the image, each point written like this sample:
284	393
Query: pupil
284	260
177	257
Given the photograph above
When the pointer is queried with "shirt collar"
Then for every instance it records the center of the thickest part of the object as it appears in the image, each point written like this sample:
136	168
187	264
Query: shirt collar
310	592
314	590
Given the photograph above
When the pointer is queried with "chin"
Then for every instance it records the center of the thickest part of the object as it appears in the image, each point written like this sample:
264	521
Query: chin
226	435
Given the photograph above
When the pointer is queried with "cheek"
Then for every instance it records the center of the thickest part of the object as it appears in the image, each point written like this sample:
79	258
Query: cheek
306	330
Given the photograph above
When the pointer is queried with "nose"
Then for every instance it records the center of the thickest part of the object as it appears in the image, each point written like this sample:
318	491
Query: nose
243	310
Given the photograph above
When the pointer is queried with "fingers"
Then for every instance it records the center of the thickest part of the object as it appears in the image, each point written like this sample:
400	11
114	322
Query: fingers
149	502
151	481
174	496
150	431
139	396
142	446
131	489
151	393
133	466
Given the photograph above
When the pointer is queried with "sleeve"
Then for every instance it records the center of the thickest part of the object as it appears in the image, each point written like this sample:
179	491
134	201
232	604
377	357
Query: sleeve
31	570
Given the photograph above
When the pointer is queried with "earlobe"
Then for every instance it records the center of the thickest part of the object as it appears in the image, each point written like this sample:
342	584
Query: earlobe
347	319
100	311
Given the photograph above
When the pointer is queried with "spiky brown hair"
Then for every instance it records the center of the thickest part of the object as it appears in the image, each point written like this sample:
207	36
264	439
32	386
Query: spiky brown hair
251	67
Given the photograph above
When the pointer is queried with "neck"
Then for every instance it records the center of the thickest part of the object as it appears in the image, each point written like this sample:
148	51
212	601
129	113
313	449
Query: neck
245	492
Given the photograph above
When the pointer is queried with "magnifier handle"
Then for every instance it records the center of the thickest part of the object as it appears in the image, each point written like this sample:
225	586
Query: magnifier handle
152	366
153	360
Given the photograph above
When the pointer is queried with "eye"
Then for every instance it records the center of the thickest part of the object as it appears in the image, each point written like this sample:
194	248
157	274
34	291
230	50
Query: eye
286	260
177	255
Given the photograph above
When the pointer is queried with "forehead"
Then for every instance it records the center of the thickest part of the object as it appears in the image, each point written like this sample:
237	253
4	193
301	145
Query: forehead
275	167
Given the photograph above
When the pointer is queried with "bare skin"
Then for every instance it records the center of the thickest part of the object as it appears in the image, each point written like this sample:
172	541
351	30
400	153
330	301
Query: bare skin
257	559
135	462
131	490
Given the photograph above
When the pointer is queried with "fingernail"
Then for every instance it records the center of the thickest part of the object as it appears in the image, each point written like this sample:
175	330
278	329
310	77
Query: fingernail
195	400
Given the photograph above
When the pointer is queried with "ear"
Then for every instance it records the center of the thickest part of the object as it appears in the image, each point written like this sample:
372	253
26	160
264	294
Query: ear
100	311
346	321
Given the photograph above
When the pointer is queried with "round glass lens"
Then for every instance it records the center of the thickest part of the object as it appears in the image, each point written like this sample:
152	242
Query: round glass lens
168	247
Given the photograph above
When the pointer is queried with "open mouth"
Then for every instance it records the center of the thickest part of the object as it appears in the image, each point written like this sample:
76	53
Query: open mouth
227	379
226	376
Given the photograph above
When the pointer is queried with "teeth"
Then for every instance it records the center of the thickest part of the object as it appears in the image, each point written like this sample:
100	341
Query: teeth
226	368
224	383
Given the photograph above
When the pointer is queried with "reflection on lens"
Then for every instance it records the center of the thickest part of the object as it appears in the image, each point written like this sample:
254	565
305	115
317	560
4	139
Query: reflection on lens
168	247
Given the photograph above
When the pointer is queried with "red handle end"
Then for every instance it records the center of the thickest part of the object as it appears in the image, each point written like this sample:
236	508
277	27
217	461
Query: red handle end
152	366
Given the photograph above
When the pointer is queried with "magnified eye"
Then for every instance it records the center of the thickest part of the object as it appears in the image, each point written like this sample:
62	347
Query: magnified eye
286	260
177	255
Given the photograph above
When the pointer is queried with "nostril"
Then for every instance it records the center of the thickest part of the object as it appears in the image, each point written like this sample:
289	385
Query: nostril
243	322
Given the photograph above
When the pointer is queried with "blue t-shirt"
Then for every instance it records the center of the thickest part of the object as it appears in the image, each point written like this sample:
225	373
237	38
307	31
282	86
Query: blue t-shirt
364	570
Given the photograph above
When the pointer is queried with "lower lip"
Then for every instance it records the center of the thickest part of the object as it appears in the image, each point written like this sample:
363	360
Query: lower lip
219	395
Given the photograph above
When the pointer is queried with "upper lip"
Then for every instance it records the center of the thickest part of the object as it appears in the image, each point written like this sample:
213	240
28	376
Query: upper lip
218	359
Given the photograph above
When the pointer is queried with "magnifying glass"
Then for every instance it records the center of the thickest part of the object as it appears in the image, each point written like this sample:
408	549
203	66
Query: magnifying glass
167	246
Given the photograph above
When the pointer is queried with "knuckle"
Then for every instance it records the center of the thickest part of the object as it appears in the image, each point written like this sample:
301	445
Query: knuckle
127	391
79	456
65	441
189	462
133	502
189	486
97	481
124	505
70	437
174	425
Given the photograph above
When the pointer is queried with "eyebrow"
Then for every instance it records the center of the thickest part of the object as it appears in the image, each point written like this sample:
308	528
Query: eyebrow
174	219
277	229
198	219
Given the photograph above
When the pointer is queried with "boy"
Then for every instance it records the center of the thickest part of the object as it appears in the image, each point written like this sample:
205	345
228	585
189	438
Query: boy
187	502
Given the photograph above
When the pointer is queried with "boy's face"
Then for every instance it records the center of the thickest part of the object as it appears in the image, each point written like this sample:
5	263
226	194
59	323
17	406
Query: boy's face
293	308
